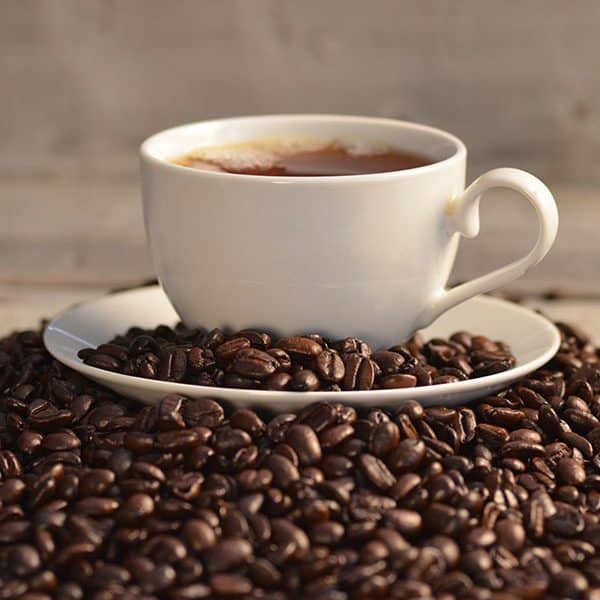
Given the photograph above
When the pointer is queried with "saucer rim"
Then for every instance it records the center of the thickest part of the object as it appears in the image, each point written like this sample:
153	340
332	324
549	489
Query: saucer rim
468	387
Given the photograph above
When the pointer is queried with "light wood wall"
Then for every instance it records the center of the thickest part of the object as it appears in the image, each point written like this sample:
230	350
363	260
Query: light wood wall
82	83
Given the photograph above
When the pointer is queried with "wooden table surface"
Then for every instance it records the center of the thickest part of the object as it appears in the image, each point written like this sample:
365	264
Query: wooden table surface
23	306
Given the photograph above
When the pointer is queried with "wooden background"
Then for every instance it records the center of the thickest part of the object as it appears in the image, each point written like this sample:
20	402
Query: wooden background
82	83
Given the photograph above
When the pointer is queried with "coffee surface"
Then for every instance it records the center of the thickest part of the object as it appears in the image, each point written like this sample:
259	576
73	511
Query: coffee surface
302	158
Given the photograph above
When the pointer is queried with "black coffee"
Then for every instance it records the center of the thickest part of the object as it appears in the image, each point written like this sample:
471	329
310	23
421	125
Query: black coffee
301	158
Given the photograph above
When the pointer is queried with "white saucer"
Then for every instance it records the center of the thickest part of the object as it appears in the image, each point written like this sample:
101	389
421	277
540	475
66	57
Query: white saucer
533	339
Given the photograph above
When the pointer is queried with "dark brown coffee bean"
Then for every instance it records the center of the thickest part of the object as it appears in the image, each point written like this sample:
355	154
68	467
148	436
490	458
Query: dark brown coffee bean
170	412
300	348
264	573
384	438
329	366
522	450
143	344
10	466
258	339
305	442
376	471
327	533
227	554
63	440
284	471
304	381
226	351
95	482
496	499
203	411
29	441
136	507
177	439
333	436
390	363
318	416
225	585
405	485
200	359
283	359
407	456
254	364
406	522
511	534
102	361
287	535
23	560
579	442
569	583
359	374
96	506
571	472
352	345
401	380
198	535
50	419
492	435
277	381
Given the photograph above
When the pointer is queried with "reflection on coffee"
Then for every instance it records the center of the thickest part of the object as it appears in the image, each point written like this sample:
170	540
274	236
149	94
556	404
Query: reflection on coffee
302	158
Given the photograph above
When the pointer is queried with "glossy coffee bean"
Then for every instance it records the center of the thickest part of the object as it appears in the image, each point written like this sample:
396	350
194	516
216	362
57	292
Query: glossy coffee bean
248	359
103	498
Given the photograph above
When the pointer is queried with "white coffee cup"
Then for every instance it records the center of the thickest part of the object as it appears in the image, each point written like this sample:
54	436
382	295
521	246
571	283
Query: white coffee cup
363	255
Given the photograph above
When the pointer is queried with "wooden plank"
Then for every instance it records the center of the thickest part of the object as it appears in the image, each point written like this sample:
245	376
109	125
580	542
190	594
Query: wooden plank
84	82
89	230
23	307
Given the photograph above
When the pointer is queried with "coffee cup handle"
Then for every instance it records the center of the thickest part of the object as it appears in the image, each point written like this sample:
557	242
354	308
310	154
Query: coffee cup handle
463	218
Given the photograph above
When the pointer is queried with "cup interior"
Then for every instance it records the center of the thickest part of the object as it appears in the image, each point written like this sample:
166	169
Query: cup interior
435	144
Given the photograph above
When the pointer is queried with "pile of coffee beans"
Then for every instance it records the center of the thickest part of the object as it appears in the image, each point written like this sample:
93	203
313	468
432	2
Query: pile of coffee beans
252	359
101	498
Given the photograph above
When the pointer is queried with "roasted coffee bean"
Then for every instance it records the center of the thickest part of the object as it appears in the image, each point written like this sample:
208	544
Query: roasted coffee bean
571	472
511	534
258	339
300	348
102	361
284	362
359	374
277	381
187	500
390	363
401	380
247	360
304	380
283	470
384	438
407	456
227	554
249	421
352	345
335	435
254	364
200	359
305	442
63	440
226	351
23	560
203	411
329	366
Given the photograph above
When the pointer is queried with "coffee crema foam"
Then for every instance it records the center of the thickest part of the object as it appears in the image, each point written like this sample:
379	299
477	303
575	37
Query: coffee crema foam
301	156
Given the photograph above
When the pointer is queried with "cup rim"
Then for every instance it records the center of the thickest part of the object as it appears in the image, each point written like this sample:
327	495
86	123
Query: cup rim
460	150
